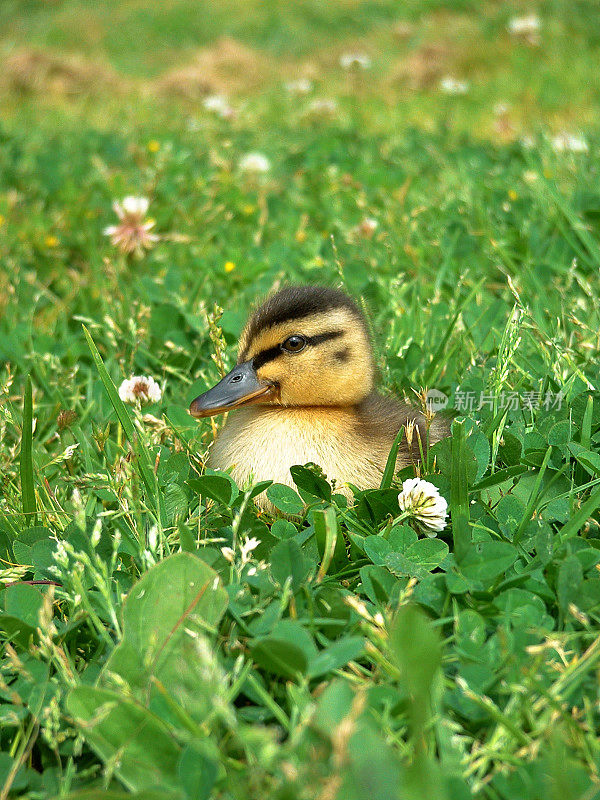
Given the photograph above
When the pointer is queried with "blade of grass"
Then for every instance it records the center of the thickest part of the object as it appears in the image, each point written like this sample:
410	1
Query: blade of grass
185	538
439	356
579	519
326	530
587	458
27	485
111	390
459	492
126	423
495	422
390	466
269	702
499	477
533	497
589	249
586	425
585	439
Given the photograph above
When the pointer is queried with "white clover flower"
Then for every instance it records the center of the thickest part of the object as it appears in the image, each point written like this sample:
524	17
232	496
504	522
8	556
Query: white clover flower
139	390
527	142
569	142
256	163
68	453
247	547
132	234
245	550
501	109
530	176
424	503
218	104
351	60
132	205
367	227
301	86
450	85
524	26
323	107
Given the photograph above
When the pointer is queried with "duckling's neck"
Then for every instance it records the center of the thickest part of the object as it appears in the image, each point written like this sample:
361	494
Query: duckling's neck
262	443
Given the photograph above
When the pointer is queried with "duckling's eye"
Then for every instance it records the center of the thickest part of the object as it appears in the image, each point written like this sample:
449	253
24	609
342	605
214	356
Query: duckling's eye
294	344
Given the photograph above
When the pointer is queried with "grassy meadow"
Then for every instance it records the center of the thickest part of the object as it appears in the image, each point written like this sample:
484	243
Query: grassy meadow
163	639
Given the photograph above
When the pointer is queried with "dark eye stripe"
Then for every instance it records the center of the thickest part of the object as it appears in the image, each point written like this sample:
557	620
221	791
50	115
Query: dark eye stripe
262	358
324	337
271	353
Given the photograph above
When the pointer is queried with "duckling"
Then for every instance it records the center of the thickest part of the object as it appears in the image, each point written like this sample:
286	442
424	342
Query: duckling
304	391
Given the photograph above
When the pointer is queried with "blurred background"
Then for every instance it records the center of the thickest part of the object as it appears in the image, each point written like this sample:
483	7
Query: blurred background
496	69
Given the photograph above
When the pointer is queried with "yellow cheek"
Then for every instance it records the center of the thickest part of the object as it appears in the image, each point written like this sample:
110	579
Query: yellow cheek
286	370
269	372
310	380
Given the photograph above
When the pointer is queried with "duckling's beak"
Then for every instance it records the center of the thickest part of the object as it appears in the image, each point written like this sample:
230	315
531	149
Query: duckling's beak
240	387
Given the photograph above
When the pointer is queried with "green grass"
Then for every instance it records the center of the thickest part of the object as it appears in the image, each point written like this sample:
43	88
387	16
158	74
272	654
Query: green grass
344	657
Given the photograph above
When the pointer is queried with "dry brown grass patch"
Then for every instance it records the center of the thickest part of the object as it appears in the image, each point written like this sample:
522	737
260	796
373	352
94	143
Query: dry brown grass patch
423	67
34	71
227	67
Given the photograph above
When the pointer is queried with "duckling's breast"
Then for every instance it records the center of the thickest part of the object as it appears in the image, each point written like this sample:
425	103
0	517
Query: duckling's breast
262	443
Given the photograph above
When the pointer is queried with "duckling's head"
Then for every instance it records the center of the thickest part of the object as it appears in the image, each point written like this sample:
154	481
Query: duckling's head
305	346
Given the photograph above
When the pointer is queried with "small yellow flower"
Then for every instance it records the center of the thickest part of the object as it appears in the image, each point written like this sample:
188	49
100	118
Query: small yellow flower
153	146
512	195
229	266
547	174
1	220
248	209
318	262
51	241
300	235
